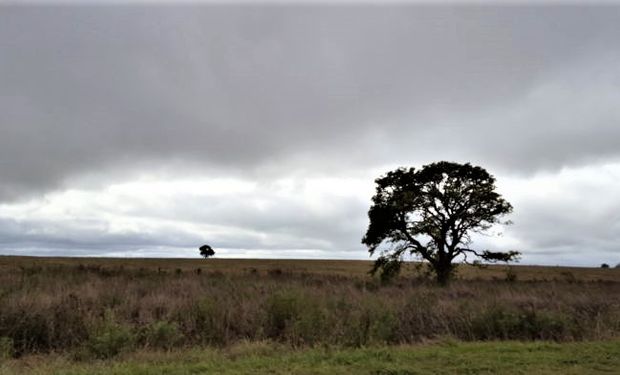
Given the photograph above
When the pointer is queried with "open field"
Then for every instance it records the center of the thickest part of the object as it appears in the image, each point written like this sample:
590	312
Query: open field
71	313
349	268
262	357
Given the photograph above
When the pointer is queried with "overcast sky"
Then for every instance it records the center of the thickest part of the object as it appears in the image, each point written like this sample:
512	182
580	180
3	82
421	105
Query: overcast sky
259	129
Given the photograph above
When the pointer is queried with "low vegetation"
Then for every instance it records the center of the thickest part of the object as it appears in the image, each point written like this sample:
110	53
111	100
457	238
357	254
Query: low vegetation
100	309
441	357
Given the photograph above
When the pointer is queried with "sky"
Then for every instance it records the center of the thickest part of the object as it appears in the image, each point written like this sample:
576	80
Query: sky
142	129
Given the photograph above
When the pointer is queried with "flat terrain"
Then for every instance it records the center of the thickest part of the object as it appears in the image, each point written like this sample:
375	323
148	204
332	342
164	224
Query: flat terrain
358	268
195	316
266	358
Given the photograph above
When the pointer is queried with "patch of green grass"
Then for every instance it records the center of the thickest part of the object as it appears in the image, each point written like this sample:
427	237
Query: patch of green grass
450	357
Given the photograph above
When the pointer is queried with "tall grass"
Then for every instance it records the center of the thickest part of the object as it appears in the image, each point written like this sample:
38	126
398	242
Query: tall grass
98	311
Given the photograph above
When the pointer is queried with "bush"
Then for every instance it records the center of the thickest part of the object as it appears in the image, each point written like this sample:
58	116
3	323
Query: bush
384	325
209	321
282	310
297	318
109	340
370	322
161	335
418	317
310	325
29	330
503	324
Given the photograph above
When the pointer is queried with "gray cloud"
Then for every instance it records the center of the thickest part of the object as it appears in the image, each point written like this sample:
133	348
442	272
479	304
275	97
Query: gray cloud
238	87
265	218
94	95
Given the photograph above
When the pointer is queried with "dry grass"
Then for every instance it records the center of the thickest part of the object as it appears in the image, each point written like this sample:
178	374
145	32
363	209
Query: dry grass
104	307
349	268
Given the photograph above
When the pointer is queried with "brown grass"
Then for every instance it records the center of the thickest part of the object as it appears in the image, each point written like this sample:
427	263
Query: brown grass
349	268
102	307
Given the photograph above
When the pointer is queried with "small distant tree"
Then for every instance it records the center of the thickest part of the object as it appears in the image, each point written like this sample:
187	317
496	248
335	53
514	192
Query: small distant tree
430	214
206	251
604	265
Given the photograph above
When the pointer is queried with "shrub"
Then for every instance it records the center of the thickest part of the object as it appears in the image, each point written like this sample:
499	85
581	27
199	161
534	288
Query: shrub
209	322
371	322
384	325
28	330
503	324
419	317
110	339
282	310
161	335
309	324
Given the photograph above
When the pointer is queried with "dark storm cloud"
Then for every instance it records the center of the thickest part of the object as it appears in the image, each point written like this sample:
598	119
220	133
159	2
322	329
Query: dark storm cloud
239	87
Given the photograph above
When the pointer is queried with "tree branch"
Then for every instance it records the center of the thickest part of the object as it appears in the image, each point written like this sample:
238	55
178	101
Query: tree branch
492	256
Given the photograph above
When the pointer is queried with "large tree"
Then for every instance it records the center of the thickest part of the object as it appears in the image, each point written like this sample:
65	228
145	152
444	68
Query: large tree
430	214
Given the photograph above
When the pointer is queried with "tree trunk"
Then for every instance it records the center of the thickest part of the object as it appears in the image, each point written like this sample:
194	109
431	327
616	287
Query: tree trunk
443	270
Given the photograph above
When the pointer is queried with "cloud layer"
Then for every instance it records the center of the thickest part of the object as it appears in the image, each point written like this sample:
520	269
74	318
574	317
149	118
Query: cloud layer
294	110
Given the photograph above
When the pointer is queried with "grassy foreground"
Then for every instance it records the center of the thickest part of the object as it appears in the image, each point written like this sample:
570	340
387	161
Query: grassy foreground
98	309
167	316
263	357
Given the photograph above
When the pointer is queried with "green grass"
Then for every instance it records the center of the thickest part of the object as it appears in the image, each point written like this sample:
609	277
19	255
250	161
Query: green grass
266	358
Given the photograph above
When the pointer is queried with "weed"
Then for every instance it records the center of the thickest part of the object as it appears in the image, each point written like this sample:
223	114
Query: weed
6	348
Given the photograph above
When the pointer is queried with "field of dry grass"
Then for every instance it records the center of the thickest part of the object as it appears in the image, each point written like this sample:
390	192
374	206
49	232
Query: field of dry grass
100	308
349	268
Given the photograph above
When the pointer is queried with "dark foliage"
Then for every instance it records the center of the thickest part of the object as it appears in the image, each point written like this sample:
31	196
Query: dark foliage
206	251
430	213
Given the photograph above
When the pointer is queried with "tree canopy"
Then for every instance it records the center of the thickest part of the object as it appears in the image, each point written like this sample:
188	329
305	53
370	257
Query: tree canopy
206	251
430	214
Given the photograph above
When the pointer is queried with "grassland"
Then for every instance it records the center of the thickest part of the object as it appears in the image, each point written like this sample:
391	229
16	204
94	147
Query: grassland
269	358
348	268
178	316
